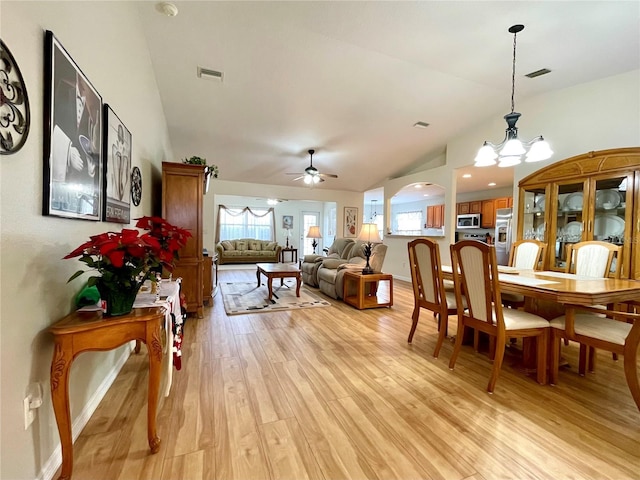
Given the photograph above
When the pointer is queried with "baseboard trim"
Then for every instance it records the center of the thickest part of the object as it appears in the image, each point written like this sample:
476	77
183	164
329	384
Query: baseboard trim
55	460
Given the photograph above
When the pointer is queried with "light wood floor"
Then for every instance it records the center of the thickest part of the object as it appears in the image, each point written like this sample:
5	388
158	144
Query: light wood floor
336	393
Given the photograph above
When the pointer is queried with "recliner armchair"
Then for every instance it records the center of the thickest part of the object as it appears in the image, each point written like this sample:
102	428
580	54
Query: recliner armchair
331	271
340	249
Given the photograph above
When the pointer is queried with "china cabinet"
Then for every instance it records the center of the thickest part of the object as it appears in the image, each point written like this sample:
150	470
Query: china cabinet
594	196
182	199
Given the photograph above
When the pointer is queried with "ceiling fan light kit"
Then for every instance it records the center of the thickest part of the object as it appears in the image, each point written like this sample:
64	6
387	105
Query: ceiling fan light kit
311	175
509	152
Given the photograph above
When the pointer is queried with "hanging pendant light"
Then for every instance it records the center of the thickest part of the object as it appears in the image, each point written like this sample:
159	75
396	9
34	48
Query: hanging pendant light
510	151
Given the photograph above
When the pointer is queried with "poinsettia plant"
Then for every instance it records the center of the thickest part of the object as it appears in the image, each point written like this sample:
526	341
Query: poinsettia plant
126	259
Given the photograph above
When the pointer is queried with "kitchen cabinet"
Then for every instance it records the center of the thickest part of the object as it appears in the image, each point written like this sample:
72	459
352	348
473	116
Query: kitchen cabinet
435	216
594	196
469	207
488	218
182	198
504	202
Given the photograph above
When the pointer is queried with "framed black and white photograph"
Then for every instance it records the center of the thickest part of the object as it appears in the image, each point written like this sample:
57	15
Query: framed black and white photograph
73	162
287	222
117	168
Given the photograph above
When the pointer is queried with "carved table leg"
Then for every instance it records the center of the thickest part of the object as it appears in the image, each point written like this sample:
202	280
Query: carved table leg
298	282
60	365
154	345
270	286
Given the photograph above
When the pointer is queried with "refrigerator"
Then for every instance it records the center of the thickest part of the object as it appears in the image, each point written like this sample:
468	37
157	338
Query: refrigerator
503	235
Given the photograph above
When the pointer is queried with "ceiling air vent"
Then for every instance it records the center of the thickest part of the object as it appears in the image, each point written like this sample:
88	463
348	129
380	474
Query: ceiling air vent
537	73
209	74
421	124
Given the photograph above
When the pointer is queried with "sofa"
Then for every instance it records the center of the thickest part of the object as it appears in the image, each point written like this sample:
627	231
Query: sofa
331	271
248	250
341	248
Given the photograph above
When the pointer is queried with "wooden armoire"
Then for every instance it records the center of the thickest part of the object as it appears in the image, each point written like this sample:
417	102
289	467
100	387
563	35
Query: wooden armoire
182	198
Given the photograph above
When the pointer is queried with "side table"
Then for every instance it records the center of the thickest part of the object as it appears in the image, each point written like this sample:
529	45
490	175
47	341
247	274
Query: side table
83	331
362	291
292	251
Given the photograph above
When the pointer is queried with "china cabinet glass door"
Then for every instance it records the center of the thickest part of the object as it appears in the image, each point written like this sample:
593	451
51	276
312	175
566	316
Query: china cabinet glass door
570	220
611	220
533	220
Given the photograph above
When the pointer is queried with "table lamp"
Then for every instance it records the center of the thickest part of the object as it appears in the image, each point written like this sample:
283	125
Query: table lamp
369	234
287	234
314	232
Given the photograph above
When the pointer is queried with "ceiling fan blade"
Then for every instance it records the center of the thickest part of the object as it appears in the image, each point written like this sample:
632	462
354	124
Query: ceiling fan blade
298	178
328	175
294	173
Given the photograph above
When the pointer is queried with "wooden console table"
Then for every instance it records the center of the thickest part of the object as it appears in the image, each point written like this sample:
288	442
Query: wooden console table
83	331
363	297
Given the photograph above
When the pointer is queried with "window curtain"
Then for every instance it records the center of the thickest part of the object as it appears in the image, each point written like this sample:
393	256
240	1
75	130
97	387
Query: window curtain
234	223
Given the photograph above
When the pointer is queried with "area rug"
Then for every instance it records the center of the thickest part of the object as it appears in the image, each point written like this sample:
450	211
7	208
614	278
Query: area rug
243	297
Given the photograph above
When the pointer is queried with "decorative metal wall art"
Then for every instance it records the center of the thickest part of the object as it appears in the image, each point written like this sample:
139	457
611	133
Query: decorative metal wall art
136	186
14	104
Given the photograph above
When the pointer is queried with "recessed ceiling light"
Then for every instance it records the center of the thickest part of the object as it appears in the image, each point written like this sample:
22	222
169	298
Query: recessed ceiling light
425	195
466	175
492	184
167	8
417	185
421	124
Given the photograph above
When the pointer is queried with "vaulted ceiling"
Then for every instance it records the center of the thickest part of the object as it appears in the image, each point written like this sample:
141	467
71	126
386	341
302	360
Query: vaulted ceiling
350	79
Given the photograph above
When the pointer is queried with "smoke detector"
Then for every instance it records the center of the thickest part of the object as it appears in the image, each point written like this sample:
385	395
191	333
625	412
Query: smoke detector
167	8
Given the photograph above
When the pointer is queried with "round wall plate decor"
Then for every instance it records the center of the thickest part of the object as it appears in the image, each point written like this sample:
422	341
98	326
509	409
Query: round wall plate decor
136	186
15	119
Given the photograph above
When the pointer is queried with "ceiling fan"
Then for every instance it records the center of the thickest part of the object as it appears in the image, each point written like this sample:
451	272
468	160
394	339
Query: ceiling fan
311	174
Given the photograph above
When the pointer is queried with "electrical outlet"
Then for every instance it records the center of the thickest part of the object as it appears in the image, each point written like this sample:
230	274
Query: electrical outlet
29	414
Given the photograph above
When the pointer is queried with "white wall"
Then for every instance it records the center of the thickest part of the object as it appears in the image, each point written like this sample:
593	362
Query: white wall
105	41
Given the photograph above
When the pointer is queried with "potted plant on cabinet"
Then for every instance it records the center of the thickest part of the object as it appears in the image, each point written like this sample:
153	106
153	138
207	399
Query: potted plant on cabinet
209	170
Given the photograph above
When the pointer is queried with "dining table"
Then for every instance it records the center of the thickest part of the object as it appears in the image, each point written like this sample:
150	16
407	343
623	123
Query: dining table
551	293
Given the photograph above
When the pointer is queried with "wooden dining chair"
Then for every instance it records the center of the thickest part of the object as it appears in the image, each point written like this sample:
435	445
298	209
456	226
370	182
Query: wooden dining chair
475	272
524	255
593	259
618	332
428	287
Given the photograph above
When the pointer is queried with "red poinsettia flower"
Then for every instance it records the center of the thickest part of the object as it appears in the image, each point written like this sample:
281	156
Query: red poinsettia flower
126	258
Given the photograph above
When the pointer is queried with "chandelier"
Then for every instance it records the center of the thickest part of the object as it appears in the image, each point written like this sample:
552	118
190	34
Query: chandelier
509	152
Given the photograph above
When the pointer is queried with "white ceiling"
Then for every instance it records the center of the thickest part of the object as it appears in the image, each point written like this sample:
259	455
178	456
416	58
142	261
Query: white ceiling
350	79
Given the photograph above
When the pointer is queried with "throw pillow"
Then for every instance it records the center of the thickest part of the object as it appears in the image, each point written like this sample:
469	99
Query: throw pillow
227	245
254	245
241	245
271	246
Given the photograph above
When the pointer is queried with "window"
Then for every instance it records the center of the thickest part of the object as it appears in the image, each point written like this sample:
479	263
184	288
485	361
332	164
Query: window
409	223
245	222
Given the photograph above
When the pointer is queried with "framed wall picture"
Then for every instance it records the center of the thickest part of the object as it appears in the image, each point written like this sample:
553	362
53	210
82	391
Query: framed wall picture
287	222
350	222
117	168
73	162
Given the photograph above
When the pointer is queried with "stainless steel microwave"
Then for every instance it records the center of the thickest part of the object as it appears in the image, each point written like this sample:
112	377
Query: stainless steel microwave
470	220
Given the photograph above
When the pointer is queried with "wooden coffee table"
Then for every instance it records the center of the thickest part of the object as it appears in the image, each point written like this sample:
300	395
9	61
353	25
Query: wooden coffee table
281	271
